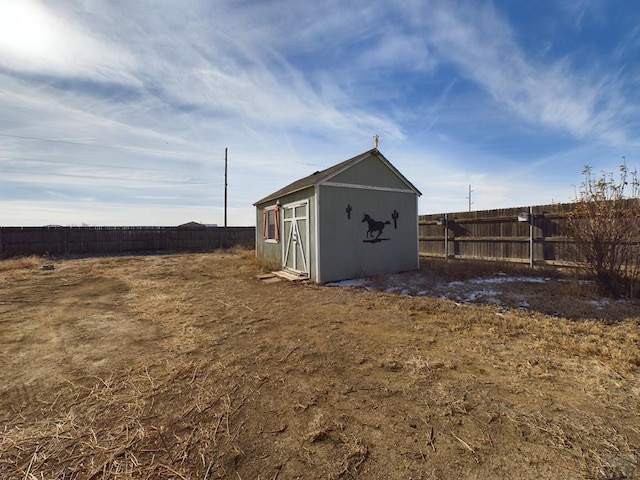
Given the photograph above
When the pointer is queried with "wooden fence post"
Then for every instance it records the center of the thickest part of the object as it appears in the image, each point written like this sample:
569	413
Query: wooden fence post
446	237
531	255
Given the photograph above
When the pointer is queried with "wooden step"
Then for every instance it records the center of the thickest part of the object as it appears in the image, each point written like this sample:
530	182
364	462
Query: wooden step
293	276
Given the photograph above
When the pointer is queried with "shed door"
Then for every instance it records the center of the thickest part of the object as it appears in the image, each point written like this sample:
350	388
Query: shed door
295	226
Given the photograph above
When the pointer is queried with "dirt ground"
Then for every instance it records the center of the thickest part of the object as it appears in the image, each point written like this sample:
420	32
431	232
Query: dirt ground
190	367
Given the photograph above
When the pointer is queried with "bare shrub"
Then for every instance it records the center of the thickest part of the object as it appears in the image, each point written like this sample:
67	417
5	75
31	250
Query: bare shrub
604	227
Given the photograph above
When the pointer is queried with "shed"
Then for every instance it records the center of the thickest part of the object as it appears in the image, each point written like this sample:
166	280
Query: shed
357	218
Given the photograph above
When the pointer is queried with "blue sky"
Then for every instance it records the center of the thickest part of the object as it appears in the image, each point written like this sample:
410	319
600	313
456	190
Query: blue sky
118	112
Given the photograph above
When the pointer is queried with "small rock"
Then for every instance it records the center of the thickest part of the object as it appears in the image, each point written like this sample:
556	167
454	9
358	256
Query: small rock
48	267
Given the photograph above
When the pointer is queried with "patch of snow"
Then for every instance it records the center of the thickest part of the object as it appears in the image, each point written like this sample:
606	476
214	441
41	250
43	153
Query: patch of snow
599	304
494	280
397	289
494	301
455	290
473	296
356	282
462	292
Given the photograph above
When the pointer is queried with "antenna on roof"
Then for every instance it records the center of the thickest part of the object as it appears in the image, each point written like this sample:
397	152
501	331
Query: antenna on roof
375	141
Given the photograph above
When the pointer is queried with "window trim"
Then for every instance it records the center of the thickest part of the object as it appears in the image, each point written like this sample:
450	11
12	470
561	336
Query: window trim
265	223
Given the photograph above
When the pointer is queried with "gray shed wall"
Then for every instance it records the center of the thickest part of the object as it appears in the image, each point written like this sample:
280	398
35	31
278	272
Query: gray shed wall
345	248
370	171
271	253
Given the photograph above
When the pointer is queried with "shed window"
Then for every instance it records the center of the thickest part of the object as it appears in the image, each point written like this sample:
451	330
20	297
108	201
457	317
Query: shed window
271	224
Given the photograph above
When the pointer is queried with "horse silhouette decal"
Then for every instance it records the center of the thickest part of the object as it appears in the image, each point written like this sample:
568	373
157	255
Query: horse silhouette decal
374	226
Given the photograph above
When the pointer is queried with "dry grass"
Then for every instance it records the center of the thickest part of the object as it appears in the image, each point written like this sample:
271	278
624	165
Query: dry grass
116	427
187	366
22	263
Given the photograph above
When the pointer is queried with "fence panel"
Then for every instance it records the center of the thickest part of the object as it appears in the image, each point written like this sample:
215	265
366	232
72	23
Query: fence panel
535	235
20	241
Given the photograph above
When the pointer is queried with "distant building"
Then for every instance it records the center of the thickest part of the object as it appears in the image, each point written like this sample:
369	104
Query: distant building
192	225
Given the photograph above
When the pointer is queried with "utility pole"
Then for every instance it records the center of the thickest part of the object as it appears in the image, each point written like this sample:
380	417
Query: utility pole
469	197
225	187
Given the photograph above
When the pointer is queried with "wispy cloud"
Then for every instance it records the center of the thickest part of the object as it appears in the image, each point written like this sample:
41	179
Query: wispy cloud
553	93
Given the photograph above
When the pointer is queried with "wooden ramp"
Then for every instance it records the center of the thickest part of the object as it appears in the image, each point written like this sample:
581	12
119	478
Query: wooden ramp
280	275
269	278
292	276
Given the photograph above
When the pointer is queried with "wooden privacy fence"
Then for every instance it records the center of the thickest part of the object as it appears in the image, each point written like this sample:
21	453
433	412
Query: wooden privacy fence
534	235
108	240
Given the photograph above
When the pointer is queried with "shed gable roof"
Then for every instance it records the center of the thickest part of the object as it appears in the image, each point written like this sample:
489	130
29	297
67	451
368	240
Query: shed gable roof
327	174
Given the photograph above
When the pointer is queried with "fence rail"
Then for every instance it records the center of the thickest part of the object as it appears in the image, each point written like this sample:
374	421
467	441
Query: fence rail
534	235
16	241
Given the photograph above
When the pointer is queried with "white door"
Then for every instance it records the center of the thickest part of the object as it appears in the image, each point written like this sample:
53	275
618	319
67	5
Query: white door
295	227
